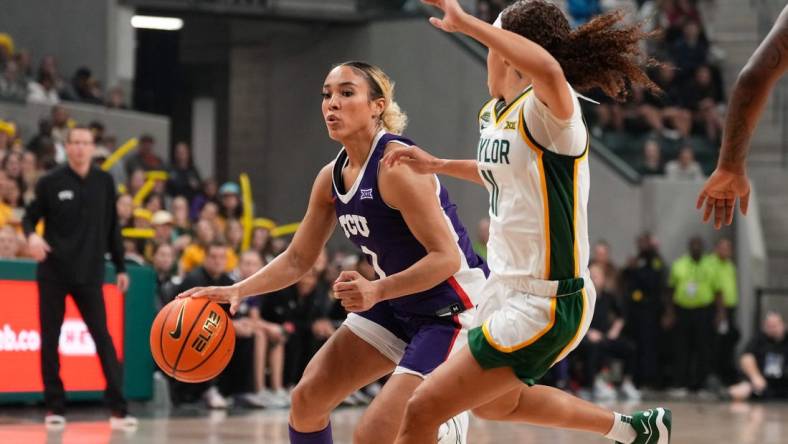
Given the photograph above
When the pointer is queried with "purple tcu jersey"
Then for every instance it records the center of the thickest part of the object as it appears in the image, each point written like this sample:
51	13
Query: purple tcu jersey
382	234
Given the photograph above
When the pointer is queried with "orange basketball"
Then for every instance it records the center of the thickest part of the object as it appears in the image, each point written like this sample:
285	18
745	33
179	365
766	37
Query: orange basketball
192	340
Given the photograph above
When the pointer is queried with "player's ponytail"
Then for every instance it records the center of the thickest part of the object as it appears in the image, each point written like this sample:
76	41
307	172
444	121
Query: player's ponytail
393	119
604	53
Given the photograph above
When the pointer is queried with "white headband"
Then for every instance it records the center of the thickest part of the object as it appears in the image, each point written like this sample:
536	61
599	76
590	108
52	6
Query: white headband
499	21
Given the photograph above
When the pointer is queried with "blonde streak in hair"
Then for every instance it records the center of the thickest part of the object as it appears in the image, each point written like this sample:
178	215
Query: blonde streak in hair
394	119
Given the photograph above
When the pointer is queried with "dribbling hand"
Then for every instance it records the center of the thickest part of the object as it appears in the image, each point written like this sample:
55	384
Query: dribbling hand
414	157
720	193
222	295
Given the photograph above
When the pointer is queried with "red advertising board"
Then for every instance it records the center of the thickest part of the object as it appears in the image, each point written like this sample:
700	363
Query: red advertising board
20	340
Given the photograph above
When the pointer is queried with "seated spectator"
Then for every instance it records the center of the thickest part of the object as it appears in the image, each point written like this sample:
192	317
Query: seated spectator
184	178
145	158
22	59
180	215
210	212
135	181
48	67
652	159
164	266
230	201
764	363
261	240
665	113
604	342
269	340
43	91
208	273
685	167
154	202
234	235
10	244
194	254
6	49
30	174
690	50
125	208
601	257
209	192
705	100
12	166
161	221
84	87
116	98
12	87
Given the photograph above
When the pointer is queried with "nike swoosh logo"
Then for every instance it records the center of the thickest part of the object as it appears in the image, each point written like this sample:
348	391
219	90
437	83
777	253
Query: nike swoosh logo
175	334
645	429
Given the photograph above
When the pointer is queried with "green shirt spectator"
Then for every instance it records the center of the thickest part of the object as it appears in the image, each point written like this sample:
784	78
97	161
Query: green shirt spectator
693	282
725	280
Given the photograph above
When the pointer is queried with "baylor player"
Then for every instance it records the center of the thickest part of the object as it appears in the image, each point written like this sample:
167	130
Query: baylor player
533	159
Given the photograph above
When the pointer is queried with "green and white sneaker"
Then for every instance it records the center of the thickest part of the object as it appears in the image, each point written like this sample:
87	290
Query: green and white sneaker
652	426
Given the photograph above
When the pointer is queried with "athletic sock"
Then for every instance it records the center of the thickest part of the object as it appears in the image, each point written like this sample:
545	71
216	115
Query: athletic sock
319	437
622	430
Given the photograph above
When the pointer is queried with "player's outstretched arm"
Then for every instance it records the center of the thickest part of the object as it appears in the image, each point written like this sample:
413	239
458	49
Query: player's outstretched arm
423	162
729	181
414	196
313	233
526	56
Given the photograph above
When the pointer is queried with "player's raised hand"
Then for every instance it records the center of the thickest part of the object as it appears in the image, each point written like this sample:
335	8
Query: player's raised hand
416	158
453	15
720	192
355	292
223	295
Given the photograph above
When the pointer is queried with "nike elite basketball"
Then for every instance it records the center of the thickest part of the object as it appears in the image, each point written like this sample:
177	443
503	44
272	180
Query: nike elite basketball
192	340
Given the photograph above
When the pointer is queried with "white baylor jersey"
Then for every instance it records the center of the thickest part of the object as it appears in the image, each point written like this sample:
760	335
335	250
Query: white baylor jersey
538	197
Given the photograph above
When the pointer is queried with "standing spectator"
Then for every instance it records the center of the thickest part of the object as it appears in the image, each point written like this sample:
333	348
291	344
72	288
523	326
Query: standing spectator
652	159
184	179
692	284
77	204
604	341
727	299
685	167
765	363
145	158
643	285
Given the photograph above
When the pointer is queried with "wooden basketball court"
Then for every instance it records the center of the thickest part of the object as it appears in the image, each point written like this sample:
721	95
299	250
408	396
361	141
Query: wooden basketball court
694	423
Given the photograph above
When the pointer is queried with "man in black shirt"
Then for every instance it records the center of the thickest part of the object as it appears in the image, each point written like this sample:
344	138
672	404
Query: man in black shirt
765	363
77	205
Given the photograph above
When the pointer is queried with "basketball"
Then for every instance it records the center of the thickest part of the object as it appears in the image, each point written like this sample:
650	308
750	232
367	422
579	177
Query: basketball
192	340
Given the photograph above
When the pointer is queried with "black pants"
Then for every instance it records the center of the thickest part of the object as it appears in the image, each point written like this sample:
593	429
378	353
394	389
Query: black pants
598	354
724	362
299	349
643	329
51	311
694	339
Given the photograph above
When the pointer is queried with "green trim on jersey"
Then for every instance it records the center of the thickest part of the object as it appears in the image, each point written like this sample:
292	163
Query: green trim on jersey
495	194
559	174
533	361
501	107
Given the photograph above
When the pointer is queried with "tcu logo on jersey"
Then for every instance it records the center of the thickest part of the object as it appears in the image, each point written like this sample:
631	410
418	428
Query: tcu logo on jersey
354	225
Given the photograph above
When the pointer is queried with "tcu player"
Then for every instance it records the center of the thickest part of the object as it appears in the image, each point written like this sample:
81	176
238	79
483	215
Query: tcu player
414	316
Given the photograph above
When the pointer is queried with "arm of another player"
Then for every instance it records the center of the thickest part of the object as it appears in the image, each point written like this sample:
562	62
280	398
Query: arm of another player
423	162
526	56
313	233
750	93
414	196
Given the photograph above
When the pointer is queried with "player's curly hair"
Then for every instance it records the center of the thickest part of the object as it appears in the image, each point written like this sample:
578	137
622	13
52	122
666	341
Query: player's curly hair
603	53
393	119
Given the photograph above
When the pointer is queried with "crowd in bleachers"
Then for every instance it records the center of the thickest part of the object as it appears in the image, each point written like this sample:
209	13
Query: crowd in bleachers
20	81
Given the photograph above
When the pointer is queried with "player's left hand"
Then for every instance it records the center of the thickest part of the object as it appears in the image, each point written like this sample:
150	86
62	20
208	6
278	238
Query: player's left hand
720	193
453	17
123	282
355	292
